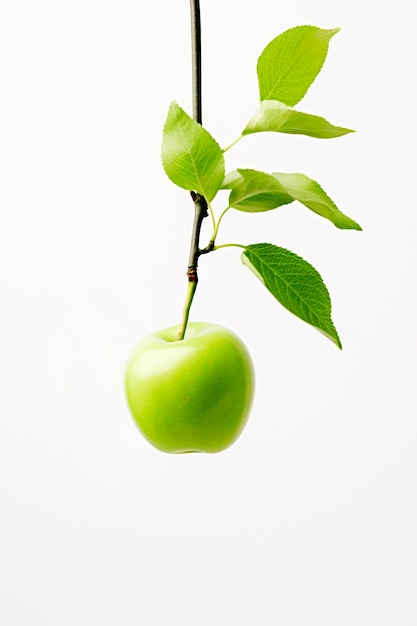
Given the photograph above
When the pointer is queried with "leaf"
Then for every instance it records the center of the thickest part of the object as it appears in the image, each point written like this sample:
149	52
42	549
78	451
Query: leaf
290	63
277	117
231	180
191	157
308	192
252	191
256	191
294	283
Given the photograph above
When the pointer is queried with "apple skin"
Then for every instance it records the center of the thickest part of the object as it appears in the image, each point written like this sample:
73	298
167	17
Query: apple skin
193	395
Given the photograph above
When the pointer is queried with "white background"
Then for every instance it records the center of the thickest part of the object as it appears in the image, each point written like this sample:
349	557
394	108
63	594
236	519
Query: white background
310	518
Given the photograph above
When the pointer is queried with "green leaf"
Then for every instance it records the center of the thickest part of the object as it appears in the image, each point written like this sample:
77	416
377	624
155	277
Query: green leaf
191	157
294	283
277	117
309	193
256	191
290	63
253	191
231	180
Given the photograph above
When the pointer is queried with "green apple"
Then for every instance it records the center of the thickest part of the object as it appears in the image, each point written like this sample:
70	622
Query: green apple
192	395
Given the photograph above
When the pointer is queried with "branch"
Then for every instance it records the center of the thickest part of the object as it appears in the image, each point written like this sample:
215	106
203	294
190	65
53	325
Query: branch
200	203
196	58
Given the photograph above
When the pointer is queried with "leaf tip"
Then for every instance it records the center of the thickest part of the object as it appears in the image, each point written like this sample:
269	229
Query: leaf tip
333	336
333	31
173	106
350	225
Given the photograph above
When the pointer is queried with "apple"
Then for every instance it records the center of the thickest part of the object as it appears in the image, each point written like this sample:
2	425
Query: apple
192	395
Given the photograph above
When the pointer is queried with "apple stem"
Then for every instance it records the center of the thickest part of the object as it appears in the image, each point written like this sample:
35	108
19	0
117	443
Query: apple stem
192	285
200	212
